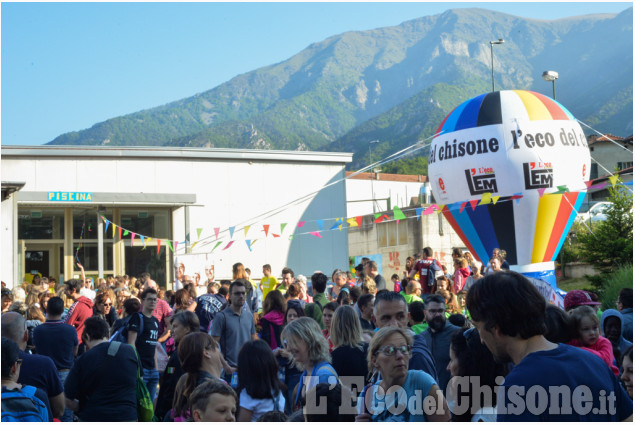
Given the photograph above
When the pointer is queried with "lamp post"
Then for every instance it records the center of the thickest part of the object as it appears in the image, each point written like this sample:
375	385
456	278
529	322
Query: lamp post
372	190
551	76
491	47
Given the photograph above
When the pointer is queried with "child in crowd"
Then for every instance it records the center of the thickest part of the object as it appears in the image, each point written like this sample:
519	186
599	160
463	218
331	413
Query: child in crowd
417	317
587	329
213	401
397	282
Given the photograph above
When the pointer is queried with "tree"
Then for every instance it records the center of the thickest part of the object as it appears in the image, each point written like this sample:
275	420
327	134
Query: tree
609	244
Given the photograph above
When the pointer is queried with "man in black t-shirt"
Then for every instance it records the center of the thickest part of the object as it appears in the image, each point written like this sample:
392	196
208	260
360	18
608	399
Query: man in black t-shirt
144	335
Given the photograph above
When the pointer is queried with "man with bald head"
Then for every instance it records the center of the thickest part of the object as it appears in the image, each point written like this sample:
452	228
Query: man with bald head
391	310
161	312
37	371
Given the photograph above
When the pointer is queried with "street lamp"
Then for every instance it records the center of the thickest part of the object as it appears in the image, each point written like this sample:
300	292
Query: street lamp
491	47
551	76
370	154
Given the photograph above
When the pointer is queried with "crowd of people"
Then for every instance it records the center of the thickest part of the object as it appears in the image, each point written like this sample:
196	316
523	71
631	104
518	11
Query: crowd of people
476	344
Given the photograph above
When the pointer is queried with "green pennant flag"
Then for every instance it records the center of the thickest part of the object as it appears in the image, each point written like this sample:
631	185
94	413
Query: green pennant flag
170	245
198	232
282	226
125	233
216	246
399	215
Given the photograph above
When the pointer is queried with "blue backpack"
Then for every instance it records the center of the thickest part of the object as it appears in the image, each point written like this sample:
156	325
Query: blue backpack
121	334
23	406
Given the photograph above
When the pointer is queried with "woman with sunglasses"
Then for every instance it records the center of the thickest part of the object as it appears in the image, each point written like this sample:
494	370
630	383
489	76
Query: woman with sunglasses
469	358
102	308
401	395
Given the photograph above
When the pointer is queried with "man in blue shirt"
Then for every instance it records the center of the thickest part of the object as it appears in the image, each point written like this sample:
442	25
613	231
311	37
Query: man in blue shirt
57	340
549	382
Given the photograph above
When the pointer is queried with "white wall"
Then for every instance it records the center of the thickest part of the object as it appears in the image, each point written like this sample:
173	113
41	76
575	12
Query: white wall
8	212
399	193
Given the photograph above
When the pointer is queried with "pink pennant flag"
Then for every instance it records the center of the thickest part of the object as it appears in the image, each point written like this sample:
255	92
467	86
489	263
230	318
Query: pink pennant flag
265	228
132	235
176	245
316	234
463	204
541	191
300	224
216	230
158	245
474	203
228	245
428	210
588	184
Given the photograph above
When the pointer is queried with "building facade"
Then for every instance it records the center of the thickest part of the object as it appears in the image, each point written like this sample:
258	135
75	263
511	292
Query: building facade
132	209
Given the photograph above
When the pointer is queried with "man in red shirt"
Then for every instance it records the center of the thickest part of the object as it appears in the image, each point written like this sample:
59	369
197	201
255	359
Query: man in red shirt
81	309
424	266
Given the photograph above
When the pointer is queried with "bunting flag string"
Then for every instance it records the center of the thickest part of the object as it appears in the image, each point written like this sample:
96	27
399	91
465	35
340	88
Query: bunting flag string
339	222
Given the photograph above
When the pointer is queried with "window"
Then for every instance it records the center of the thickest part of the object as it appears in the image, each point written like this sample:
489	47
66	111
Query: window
147	222
392	233
43	223
594	172
624	165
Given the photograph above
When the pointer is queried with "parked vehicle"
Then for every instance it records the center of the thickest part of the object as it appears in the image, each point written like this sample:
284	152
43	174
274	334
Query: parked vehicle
596	212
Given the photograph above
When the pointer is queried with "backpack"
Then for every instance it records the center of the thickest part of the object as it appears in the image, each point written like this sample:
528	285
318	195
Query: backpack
23	406
121	334
433	272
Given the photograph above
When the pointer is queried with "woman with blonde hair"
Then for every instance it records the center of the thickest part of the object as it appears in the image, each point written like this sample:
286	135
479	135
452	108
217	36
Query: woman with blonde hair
349	349
310	351
44	300
388	354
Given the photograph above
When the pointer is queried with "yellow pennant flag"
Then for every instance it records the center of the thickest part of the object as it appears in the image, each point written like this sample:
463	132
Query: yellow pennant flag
114	226
486	199
440	208
193	245
352	222
613	180
246	230
495	199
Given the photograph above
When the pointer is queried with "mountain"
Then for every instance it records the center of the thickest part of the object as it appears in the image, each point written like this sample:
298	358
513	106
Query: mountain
395	85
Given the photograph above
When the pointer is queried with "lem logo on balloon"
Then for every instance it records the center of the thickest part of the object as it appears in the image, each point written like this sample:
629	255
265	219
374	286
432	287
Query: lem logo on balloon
516	144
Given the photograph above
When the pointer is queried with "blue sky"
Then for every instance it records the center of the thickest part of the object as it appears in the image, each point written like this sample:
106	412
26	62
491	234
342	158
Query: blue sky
67	66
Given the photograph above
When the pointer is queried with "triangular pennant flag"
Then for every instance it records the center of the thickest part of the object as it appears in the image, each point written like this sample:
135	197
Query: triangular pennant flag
132	235
158	246
282	226
541	191
517	197
300	224
463	204
563	189
228	245
142	240
275	236
248	242
474	203
428	210
170	246
125	232
352	222
495	199
588	183
377	215
120	231
291	237
193	245
253	242
103	218
231	232
198	233
246	229
176	245
439	208
316	234
382	218
399	215
216	230
359	219
613	180
486	198
320	224
419	211
114	226
216	246
265	228
148	239
338	223
107	224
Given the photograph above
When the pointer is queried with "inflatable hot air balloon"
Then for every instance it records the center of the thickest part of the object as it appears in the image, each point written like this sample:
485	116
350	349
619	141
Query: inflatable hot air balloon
510	168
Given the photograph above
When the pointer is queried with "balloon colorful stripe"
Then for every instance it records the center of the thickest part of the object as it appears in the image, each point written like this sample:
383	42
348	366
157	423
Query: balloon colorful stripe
486	110
556	214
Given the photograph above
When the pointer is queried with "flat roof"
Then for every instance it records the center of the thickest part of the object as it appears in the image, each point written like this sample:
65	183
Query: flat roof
52	151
